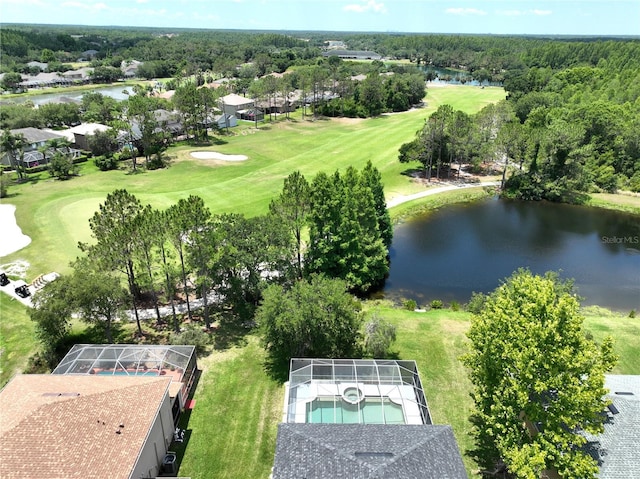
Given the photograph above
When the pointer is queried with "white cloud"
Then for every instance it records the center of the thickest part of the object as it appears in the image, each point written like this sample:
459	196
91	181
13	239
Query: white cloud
366	6
142	1
516	13
465	11
22	3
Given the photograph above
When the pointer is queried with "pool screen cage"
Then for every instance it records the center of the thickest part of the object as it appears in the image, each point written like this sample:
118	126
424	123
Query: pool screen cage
374	375
127	359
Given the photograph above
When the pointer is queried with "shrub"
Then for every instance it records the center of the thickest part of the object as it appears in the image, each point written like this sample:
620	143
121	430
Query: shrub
378	336
476	303
105	163
455	306
409	304
437	304
632	313
193	335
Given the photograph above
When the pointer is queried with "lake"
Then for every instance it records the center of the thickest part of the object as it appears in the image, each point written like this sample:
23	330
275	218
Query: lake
455	77
452	252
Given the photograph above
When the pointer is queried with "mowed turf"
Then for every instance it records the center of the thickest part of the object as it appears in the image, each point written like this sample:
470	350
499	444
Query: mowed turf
17	342
55	213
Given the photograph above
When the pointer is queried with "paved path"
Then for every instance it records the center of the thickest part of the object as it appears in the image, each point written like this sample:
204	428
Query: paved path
434	191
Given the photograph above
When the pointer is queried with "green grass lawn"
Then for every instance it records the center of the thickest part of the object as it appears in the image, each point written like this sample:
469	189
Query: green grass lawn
233	428
17	341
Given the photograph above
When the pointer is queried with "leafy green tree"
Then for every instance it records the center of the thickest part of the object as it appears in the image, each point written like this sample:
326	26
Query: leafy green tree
13	146
317	318
103	143
371	178
61	166
97	296
113	228
292	207
537	379
372	96
11	81
52	309
254	252
345	240
201	248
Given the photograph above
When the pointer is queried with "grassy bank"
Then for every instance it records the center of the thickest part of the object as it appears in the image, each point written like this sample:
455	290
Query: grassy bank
429	203
629	203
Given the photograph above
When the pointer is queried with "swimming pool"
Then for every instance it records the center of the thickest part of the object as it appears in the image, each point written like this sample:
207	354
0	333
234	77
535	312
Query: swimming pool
368	411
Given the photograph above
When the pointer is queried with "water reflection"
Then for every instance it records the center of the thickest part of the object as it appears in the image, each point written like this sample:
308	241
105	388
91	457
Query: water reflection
449	253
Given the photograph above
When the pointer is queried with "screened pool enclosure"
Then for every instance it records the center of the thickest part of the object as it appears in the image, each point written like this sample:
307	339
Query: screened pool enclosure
355	391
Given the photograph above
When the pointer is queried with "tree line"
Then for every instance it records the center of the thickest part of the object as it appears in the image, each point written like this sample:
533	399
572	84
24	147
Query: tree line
558	136
141	255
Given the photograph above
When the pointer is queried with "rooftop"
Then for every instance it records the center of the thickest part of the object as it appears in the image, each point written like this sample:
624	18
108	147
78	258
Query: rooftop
361	451
76	426
616	450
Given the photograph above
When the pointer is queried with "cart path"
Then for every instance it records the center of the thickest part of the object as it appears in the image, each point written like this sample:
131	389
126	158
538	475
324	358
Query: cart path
434	191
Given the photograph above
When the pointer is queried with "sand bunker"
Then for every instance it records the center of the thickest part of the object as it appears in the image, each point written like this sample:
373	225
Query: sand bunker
214	155
12	237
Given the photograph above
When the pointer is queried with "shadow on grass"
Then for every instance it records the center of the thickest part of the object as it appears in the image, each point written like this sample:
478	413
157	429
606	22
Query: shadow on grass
413	172
180	447
229	334
277	369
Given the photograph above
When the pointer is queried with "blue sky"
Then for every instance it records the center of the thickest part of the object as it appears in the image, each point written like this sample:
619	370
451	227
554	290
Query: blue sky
560	17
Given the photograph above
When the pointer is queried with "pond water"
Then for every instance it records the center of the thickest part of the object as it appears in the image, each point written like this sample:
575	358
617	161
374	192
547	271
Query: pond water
454	251
112	91
455	77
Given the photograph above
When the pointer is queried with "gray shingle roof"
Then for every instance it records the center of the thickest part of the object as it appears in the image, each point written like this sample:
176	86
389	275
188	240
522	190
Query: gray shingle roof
617	450
366	451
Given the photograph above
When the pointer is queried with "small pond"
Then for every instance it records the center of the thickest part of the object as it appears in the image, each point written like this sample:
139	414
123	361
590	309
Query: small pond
116	92
449	253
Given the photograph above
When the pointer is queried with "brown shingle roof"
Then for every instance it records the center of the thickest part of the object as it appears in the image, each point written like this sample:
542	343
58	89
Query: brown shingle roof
65	426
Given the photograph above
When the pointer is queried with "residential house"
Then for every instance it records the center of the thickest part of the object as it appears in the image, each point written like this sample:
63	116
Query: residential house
233	103
225	121
79	135
361	419
353	54
85	426
130	68
35	138
41	66
617	449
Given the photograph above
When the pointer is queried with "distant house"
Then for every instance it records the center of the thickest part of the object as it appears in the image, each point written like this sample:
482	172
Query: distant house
42	80
79	135
81	75
225	121
130	68
35	138
232	103
361	419
40	65
85	426
617	449
89	54
353	54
